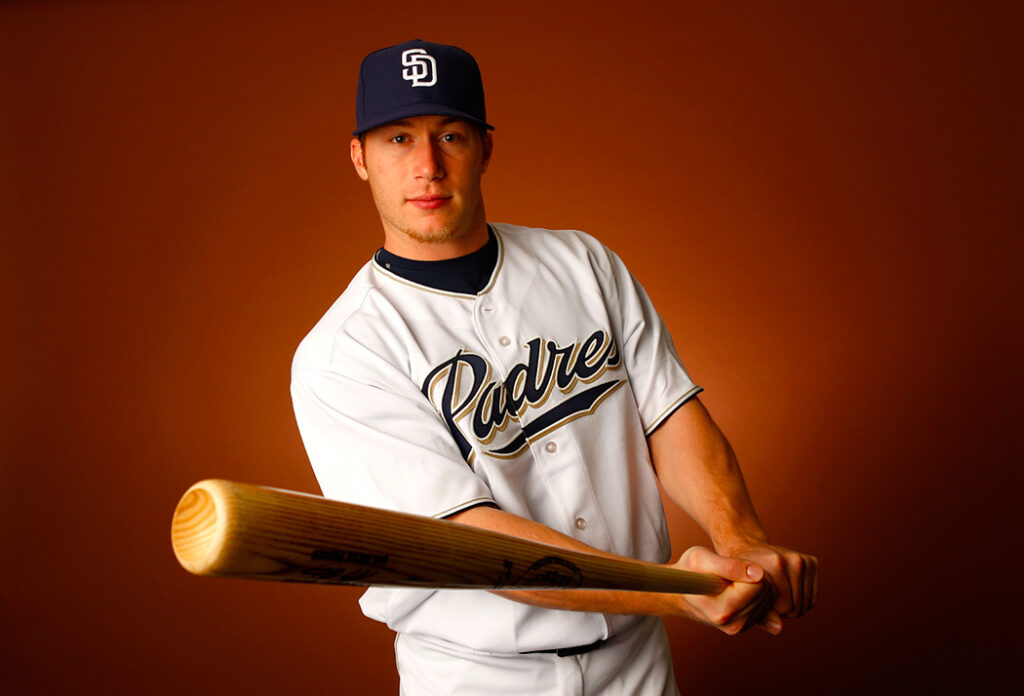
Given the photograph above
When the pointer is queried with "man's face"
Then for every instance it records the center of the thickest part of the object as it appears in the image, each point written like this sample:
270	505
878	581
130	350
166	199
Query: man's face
424	173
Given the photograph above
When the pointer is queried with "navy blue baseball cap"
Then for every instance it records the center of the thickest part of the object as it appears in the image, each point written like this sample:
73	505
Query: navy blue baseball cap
418	78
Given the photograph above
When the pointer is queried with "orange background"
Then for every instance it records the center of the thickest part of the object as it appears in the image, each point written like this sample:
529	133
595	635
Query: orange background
823	201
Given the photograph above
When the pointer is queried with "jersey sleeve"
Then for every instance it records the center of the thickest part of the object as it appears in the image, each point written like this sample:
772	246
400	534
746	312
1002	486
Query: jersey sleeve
373	439
658	378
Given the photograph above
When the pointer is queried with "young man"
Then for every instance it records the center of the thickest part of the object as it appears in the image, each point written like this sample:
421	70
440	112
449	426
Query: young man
518	380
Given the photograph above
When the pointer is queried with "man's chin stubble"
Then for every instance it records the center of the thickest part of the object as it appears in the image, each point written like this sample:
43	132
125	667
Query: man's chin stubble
441	236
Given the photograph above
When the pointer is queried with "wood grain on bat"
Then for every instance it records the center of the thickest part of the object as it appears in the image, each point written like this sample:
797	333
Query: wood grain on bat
231	529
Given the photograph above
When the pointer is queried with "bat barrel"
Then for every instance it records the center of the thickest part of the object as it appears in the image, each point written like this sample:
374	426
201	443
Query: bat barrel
231	529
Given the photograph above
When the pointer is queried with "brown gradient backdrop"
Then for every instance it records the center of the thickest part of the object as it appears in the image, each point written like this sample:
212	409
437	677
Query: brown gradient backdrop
823	202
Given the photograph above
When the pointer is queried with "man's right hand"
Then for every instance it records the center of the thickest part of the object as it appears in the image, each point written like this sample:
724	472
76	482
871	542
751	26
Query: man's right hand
746	602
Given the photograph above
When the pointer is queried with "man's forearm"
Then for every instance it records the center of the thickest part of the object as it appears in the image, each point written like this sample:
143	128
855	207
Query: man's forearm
604	601
697	468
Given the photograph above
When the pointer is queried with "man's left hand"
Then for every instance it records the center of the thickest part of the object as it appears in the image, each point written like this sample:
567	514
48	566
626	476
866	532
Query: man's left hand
794	574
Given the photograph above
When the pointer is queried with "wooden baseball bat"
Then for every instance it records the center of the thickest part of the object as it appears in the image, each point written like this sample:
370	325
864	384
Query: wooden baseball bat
239	530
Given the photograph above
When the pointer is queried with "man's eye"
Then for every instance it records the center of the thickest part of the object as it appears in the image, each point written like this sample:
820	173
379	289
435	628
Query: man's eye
451	138
400	139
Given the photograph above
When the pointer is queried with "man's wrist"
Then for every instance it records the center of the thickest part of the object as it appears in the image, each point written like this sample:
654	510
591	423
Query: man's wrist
734	544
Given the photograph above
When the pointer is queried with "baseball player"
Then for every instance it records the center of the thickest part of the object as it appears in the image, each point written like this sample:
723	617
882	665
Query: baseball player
519	380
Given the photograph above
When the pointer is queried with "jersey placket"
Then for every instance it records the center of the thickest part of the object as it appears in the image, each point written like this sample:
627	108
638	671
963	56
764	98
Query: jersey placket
555	454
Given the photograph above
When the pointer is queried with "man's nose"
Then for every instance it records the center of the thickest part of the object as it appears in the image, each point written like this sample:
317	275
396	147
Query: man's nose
428	161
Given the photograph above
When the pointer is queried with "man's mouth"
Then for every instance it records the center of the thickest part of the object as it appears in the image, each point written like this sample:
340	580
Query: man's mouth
428	202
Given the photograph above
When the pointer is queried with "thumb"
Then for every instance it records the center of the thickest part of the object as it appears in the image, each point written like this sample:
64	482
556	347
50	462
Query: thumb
732	569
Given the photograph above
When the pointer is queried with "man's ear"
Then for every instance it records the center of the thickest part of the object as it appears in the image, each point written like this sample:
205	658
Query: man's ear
358	158
488	147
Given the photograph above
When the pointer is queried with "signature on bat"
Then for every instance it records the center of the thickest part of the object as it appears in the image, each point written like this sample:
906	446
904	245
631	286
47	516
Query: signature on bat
550	571
367	565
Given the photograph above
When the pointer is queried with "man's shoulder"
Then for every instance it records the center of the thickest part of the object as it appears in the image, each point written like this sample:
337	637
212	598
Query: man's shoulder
529	233
542	238
316	348
563	244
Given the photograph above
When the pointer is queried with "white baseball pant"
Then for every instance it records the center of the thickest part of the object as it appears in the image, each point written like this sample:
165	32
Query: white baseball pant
636	662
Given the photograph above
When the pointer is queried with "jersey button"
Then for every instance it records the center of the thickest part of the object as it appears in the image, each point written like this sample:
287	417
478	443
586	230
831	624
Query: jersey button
505	340
581	523
551	447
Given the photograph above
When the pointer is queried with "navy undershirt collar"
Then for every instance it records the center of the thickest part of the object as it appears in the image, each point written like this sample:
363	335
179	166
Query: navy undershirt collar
467	274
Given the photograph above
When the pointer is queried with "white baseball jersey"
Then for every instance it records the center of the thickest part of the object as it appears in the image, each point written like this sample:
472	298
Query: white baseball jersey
535	394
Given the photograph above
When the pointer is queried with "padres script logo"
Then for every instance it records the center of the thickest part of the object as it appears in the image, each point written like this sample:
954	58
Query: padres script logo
421	68
462	387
